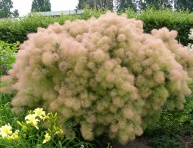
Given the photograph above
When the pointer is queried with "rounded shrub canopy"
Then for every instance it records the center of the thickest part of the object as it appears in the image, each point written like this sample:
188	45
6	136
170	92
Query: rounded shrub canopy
103	75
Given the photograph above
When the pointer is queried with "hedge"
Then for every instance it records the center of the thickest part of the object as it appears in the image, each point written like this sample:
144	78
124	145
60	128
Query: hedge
182	21
12	30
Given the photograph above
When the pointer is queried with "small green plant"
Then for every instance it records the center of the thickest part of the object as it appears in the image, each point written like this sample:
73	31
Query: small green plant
165	141
7	56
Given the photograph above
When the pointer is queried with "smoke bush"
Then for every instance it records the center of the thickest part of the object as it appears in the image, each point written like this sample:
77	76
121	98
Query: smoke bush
102	75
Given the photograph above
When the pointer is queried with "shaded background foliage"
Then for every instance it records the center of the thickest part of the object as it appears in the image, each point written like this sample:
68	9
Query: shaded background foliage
120	5
41	6
185	4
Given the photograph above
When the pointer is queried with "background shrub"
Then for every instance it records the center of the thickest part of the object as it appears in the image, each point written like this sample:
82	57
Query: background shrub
12	30
101	75
181	21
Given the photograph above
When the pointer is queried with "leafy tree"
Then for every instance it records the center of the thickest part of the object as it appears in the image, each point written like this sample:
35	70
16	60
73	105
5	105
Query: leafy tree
138	5
157	4
122	4
5	9
98	4
15	13
82	3
41	6
185	4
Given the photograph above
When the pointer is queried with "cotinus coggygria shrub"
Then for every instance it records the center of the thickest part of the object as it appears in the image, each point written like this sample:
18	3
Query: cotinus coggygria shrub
102	75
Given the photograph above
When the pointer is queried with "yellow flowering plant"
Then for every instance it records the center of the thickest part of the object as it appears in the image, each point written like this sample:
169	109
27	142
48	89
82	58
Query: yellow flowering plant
47	138
32	128
31	119
7	133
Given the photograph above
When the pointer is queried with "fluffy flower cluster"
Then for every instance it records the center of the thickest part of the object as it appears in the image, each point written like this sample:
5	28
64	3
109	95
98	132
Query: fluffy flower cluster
104	74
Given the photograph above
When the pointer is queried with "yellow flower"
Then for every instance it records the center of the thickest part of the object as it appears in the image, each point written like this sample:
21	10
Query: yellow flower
46	116
15	135
59	132
31	119
39	112
5	130
47	138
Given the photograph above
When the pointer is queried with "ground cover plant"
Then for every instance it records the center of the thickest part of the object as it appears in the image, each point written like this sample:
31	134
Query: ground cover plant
102	75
